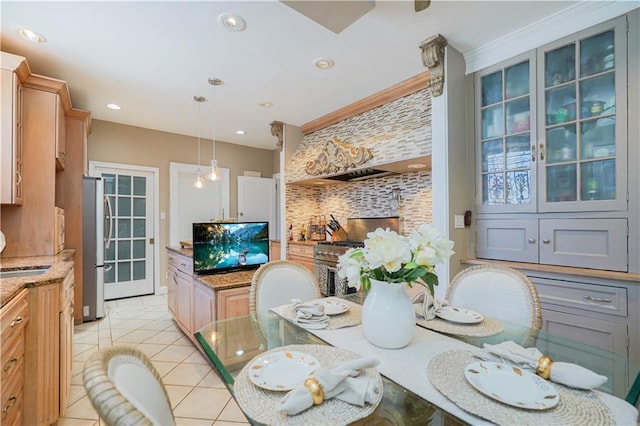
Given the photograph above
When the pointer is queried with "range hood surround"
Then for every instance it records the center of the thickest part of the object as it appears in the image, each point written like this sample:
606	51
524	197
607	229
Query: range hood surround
396	134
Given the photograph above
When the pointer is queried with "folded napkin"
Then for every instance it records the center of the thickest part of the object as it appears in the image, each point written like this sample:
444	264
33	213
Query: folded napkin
426	305
342	381
568	374
310	315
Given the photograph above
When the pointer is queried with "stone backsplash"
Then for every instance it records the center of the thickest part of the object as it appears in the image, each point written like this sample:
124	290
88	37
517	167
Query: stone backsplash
395	131
399	130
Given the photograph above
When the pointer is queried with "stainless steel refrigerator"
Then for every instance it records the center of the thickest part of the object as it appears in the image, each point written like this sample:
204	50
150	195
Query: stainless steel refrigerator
93	246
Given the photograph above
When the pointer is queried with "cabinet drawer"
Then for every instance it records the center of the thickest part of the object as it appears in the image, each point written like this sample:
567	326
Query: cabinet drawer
589	297
12	396
514	240
182	263
15	315
584	243
299	250
12	356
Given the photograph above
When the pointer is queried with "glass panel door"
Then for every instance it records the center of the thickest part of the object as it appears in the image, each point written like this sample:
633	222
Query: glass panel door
580	123
506	141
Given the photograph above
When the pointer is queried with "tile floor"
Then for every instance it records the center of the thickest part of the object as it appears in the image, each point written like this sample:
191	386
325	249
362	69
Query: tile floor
197	394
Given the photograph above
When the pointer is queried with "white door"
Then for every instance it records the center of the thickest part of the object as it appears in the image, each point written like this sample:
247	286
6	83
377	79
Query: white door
130	257
189	204
257	201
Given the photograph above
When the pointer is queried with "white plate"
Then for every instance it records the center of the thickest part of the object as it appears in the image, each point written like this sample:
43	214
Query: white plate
512	385
282	371
461	315
334	307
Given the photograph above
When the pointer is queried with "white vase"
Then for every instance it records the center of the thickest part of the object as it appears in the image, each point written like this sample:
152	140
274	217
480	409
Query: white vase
388	319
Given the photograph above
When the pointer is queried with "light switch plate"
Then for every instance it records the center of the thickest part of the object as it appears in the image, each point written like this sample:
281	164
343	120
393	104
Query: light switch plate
458	221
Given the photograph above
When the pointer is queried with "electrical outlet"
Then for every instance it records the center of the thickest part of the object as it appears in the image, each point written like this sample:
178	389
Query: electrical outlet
458	221
85	311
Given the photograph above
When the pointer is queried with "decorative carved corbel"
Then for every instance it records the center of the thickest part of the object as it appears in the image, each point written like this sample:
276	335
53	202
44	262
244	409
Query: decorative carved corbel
433	58
337	156
277	130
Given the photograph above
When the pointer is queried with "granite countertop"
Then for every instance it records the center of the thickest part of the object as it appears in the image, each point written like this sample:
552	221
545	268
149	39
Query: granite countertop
218	281
59	266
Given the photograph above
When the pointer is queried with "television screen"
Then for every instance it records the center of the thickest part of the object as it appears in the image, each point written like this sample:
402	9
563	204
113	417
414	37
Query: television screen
224	247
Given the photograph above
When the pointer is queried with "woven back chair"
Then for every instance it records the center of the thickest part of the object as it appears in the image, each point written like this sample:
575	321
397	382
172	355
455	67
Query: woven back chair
275	283
125	388
500	292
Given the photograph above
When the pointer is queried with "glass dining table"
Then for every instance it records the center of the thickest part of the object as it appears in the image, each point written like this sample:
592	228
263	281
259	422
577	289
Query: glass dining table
231	344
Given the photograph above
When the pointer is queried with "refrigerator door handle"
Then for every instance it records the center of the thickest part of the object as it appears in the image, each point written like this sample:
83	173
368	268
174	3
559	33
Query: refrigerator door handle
110	217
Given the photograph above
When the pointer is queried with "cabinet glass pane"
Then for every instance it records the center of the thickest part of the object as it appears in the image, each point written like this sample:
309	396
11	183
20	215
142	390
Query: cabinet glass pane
560	104
598	180
560	66
518	116
598	96
598	138
519	187
518	152
492	88
561	183
493	189
597	54
561	144
492	156
517	80
492	122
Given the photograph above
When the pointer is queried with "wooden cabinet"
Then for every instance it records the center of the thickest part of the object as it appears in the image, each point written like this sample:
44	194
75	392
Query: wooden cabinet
551	145
233	302
274	250
11	146
60	135
58	236
66	338
204	306
302	254
14	317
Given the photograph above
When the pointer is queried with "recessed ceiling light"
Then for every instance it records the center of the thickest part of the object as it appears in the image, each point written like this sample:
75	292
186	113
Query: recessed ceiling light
114	106
239	132
416	166
32	35
265	104
323	63
232	22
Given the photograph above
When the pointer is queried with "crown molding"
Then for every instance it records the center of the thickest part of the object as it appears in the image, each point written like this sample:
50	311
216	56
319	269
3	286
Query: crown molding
573	19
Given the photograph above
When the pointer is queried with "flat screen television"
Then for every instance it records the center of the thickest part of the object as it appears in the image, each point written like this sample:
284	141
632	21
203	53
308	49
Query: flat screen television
225	247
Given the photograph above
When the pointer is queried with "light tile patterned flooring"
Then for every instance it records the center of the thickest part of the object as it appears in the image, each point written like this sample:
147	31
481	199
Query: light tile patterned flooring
197	394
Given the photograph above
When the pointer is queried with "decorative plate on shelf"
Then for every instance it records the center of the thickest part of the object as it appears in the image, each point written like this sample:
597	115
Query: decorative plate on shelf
459	315
512	385
334	307
283	370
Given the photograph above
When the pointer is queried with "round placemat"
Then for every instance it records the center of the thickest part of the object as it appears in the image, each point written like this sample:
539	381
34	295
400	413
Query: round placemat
261	404
446	373
487	327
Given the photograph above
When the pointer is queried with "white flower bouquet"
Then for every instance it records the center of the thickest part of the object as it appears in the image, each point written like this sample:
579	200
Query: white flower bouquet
388	256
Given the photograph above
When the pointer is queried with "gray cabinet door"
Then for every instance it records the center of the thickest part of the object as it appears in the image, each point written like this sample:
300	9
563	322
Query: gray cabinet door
584	243
508	239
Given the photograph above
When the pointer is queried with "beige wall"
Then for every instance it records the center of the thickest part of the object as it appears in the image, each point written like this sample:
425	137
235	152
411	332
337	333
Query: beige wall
118	143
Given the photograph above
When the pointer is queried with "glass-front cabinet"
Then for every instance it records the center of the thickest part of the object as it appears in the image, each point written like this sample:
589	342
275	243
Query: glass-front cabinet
551	134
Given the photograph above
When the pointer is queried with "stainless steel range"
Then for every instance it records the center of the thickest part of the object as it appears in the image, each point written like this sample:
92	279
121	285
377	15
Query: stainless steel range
326	253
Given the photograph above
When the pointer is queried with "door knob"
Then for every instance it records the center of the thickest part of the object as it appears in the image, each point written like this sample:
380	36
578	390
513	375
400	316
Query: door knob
532	240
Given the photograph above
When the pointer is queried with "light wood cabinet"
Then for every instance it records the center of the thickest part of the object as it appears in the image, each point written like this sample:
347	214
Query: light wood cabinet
14	317
233	302
11	148
66	338
60	135
204	306
302	254
274	250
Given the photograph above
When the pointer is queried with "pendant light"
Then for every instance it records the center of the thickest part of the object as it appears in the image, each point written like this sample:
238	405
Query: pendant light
214	173
199	175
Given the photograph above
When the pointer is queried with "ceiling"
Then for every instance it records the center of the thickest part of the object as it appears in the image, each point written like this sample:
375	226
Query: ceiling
152	57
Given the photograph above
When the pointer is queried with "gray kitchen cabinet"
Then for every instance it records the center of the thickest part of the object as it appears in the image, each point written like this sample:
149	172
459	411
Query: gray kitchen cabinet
578	242
551	148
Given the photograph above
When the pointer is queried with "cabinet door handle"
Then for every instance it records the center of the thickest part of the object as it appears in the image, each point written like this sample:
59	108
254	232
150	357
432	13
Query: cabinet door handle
545	241
9	365
597	299
17	321
541	152
532	240
18	178
10	403
533	153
